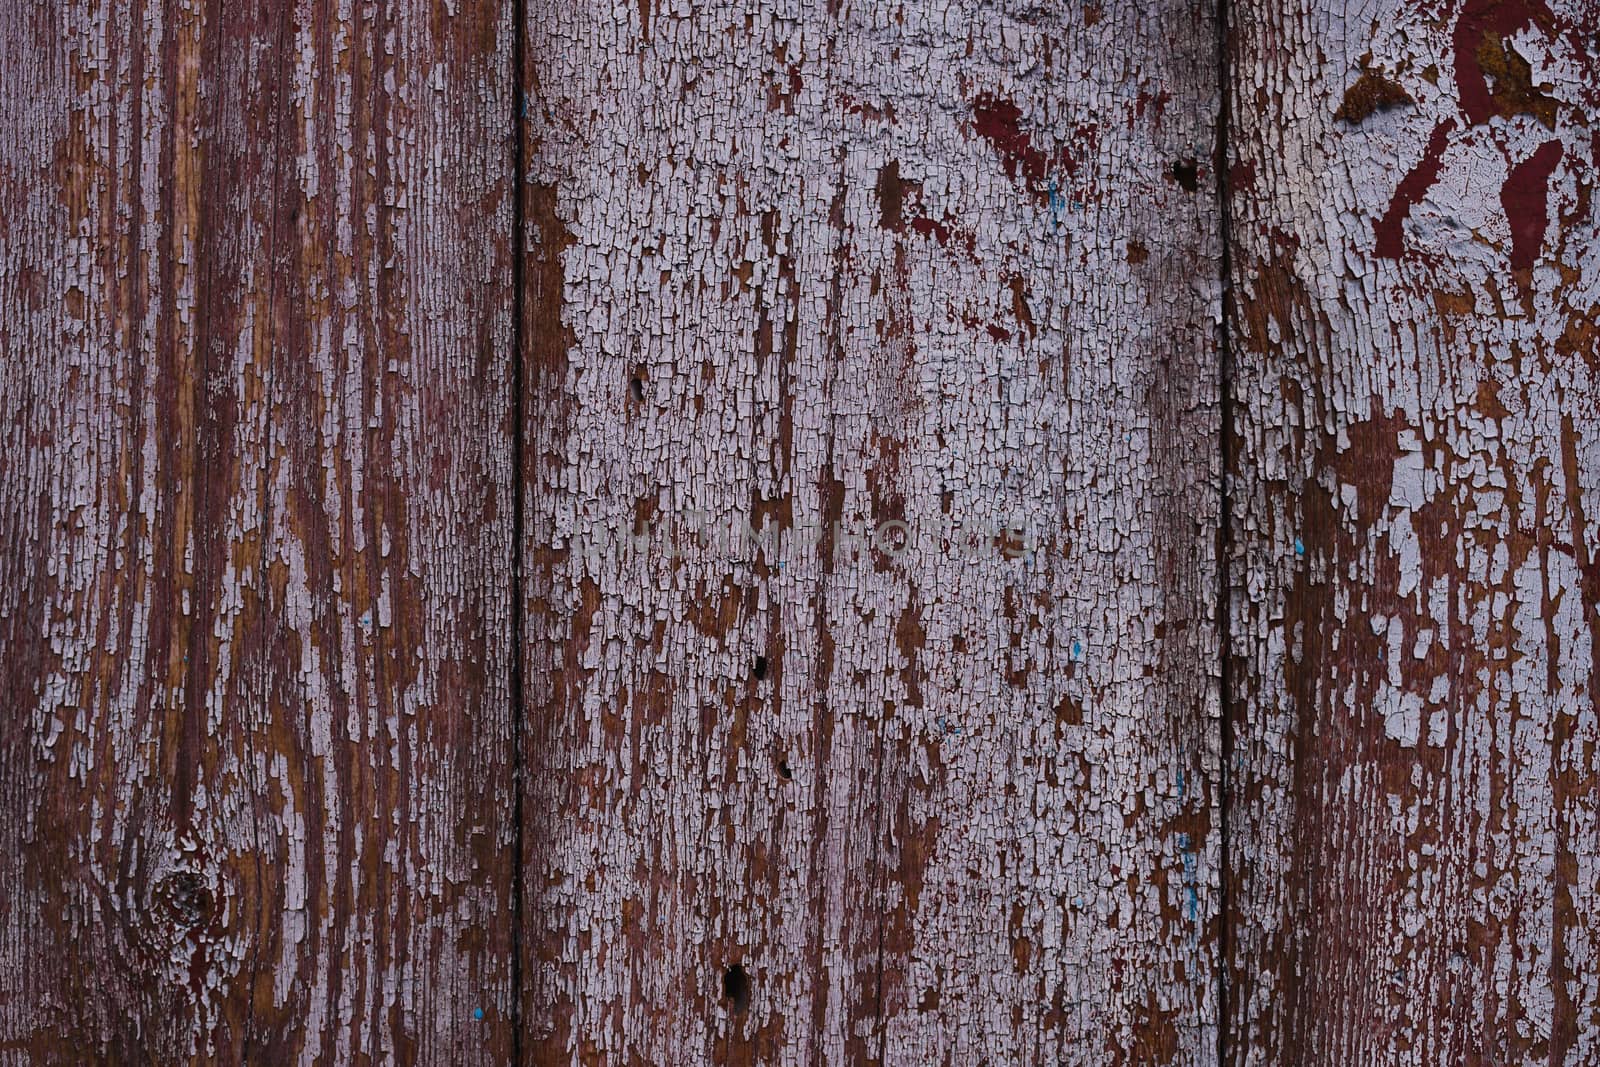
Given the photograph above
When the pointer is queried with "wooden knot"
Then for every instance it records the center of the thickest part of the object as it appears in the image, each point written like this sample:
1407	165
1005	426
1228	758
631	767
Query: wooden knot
184	899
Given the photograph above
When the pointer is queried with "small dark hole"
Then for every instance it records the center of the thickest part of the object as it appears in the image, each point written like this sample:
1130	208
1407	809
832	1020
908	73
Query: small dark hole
1186	172
760	668
636	387
784	772
736	987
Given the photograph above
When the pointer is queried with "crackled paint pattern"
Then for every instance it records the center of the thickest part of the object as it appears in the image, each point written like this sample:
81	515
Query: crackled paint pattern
925	768
255	760
809	269
1414	853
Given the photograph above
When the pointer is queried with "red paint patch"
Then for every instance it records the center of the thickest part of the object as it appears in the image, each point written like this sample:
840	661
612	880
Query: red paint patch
1390	230
867	110
1242	177
931	228
999	121
1157	103
1525	197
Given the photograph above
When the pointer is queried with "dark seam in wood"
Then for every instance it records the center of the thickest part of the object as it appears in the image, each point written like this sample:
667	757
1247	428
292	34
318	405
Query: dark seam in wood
519	160
1226	448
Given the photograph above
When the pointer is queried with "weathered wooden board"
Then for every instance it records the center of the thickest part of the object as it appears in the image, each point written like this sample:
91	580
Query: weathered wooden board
810	269
869	454
1413	844
255	438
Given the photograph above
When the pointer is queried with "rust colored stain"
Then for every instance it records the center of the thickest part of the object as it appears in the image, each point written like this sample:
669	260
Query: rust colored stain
1479	20
1514	92
1389	230
1525	197
893	192
1371	93
891	196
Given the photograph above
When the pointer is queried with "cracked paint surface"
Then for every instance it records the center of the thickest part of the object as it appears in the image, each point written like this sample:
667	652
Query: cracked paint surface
1413	841
809	269
871	440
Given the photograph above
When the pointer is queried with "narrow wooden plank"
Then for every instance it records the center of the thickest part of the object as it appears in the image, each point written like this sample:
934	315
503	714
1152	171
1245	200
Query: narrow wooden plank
807	269
256	761
1414	839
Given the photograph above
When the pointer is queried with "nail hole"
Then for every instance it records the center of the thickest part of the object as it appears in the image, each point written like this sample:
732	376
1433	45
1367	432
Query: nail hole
760	668
636	387
1186	172
783	770
736	987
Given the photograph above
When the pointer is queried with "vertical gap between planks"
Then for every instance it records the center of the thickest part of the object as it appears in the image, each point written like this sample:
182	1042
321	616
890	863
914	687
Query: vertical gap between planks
519	158
1224	526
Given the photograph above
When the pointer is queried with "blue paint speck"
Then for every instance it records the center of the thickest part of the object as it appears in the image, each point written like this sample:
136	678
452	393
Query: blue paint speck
1299	547
1077	650
1190	870
477	1013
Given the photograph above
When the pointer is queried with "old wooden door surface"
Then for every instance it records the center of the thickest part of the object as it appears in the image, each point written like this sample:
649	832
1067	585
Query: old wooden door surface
799	533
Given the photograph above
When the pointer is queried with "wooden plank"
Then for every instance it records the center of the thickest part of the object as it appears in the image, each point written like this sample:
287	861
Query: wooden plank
809	269
1413	842
256	762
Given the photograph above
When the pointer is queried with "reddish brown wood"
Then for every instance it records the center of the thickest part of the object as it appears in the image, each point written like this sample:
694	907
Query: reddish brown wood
256	759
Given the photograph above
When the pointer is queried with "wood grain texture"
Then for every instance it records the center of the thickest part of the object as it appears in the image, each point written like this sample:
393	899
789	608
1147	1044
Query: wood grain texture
1414	850
256	756
806	270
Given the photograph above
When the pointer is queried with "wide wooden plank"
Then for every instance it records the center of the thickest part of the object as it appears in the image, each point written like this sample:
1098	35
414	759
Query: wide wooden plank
1413	840
808	269
255	433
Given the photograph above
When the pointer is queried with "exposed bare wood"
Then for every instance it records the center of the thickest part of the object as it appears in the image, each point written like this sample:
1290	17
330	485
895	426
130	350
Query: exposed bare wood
1415	857
255	765
811	269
